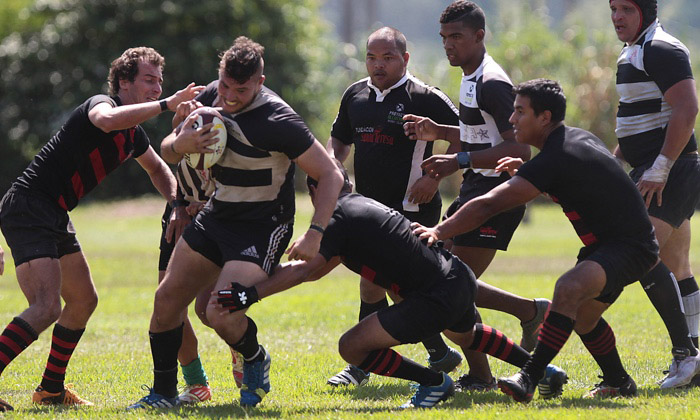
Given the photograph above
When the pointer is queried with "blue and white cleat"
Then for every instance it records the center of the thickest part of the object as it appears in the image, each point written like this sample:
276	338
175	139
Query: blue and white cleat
153	400
429	396
552	383
256	380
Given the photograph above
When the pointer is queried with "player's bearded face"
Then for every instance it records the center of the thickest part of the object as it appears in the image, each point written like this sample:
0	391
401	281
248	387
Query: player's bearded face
234	96
626	18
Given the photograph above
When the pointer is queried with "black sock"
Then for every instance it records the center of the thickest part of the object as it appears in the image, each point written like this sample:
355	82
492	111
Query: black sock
556	329
367	309
600	342
63	343
493	342
690	294
387	362
164	348
662	290
248	345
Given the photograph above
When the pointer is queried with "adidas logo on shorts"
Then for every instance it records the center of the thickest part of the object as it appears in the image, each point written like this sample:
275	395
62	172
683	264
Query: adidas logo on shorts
250	252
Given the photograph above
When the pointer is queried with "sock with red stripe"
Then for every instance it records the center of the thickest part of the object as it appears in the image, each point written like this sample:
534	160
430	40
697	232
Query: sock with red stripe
556	329
18	335
63	342
600	342
387	362
494	343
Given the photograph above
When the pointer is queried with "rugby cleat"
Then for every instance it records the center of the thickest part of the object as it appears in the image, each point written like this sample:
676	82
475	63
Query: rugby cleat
153	400
237	367
682	370
448	363
66	397
193	394
256	380
552	383
467	383
605	390
531	328
4	406
518	386
351	375
429	396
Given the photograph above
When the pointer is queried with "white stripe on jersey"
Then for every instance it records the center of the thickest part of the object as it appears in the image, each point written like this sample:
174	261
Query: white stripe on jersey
415	175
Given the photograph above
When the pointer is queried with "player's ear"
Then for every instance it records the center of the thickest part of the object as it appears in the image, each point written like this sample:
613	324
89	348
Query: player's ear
480	34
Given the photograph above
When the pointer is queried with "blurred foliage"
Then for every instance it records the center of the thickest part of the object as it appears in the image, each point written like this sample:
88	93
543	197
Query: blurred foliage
46	71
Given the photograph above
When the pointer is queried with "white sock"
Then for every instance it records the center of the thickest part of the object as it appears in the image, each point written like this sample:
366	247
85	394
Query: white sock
691	304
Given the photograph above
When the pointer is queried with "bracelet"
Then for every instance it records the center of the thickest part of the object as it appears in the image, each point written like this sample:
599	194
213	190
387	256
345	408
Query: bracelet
464	160
163	105
317	228
179	203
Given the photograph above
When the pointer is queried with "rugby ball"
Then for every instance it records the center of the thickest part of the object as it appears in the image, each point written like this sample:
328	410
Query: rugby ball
206	115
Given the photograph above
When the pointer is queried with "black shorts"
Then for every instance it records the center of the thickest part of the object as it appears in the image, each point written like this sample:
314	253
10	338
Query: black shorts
259	243
35	227
429	216
496	232
682	192
447	304
166	248
624	262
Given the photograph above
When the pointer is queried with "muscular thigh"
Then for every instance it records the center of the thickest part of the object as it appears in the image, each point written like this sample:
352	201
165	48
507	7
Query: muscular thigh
187	274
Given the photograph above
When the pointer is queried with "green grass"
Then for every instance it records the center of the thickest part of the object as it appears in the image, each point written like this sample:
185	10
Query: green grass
301	327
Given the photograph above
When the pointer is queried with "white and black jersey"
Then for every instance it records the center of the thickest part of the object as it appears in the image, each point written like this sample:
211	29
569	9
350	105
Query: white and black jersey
254	178
645	70
387	163
195	185
485	106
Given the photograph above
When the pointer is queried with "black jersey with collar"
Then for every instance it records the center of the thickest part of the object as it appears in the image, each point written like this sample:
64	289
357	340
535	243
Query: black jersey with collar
376	242
597	196
387	162
80	155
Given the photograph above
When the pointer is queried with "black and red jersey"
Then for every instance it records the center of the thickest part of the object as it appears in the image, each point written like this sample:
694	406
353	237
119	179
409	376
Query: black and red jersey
80	155
597	196
376	242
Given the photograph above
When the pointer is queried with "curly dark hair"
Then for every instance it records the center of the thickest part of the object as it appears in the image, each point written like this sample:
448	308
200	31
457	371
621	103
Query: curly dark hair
467	12
242	60
544	95
126	67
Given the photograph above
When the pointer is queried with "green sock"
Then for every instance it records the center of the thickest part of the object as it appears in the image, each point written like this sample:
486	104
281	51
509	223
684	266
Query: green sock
194	373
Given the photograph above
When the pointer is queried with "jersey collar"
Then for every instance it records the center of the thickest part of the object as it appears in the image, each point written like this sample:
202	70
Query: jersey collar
382	94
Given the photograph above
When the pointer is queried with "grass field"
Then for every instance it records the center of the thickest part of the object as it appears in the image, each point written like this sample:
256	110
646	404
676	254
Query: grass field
301	327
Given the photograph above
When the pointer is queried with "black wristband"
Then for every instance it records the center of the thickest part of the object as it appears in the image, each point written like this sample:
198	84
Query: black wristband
317	228
464	160
179	203
163	105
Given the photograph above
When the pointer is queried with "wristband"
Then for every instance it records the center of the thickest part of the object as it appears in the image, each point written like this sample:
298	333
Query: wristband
659	170
464	160
179	203
317	228
163	105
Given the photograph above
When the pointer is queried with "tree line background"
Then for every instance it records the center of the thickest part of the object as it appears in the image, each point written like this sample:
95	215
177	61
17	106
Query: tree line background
56	53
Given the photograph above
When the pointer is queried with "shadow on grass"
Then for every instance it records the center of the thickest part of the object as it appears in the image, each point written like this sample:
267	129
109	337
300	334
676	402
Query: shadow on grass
373	392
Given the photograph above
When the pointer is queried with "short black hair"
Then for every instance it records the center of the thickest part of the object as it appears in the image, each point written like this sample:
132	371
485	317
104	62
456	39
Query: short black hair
545	95
392	34
242	60
467	12
347	185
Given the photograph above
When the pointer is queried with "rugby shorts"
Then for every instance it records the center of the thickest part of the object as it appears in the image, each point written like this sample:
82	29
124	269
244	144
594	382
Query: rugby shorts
166	248
681	195
260	243
446	303
35	227
496	232
624	262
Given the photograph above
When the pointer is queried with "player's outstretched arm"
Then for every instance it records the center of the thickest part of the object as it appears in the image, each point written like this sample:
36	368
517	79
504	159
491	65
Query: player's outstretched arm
108	118
160	174
423	128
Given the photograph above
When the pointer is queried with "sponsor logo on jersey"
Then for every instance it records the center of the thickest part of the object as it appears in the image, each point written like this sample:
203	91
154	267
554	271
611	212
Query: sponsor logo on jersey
250	252
377	137
488	232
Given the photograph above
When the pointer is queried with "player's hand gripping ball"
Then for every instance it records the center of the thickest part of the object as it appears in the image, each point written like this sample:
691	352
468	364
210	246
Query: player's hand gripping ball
206	115
238	297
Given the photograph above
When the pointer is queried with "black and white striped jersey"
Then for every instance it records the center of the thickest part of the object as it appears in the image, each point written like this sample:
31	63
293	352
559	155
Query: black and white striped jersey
387	163
645	70
254	178
195	185
485	105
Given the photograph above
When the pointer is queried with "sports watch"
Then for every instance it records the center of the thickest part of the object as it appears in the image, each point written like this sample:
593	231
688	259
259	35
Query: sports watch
464	160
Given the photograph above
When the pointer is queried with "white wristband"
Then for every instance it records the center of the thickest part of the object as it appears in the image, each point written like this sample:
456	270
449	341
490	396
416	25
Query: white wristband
659	170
